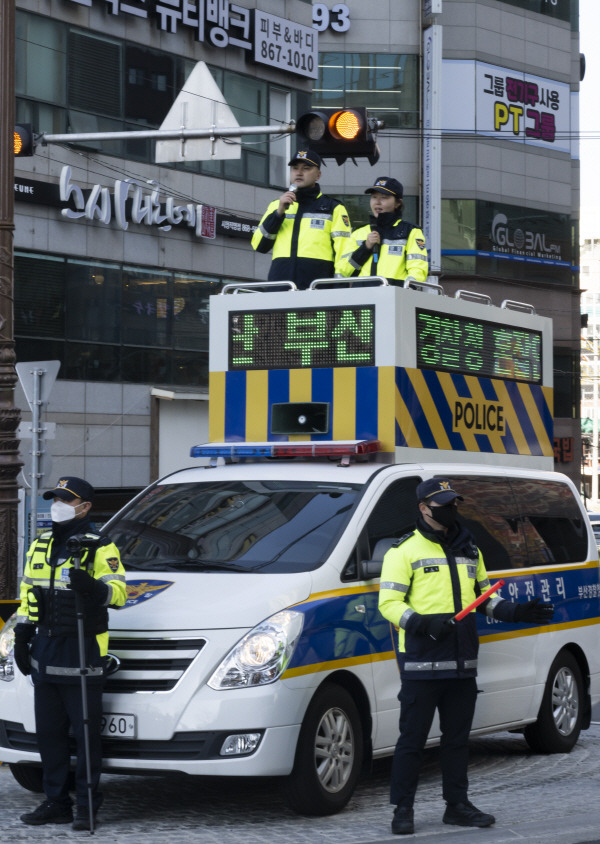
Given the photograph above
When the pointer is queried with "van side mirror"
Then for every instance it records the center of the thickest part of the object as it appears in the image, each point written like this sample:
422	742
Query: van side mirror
370	569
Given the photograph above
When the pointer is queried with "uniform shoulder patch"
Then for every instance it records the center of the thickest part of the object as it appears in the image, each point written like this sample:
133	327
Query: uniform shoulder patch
113	563
403	539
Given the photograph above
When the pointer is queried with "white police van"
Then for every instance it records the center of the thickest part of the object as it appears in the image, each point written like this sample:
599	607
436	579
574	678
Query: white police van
251	643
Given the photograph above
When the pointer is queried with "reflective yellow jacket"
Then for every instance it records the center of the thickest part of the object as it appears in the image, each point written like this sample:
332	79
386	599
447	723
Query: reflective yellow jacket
308	242
402	253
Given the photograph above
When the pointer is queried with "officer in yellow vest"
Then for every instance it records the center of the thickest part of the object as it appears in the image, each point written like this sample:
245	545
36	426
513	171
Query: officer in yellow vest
307	231
388	246
426	579
46	646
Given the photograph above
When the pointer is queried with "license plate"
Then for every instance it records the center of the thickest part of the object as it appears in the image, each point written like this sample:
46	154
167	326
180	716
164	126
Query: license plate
118	725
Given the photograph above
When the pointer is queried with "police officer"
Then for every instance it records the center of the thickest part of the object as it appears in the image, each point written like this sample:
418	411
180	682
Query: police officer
428	577
388	245
46	646
307	231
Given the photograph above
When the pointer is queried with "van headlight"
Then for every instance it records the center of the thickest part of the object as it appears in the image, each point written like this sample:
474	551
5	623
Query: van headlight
262	655
7	641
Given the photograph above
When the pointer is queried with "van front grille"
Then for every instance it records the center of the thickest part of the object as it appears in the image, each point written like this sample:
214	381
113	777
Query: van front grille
150	665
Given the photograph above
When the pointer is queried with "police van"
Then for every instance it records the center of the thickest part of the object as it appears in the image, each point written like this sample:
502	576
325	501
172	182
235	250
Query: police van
251	642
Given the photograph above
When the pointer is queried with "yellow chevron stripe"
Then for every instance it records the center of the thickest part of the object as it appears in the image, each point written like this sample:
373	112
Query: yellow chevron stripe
257	406
405	422
429	409
387	399
344	403
216	407
512	420
449	390
536	420
495	437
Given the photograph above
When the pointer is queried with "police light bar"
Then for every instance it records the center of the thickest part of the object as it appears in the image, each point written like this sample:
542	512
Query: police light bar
331	448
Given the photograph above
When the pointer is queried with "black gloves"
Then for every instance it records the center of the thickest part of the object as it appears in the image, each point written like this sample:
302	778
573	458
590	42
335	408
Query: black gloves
436	625
86	585
23	635
533	612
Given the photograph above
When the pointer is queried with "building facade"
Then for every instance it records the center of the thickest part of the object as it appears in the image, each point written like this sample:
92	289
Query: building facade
116	256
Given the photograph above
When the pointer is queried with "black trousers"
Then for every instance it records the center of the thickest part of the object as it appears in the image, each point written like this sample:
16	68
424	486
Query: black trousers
58	705
455	702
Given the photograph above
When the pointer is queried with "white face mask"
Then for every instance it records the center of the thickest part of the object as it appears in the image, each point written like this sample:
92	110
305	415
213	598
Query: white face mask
60	512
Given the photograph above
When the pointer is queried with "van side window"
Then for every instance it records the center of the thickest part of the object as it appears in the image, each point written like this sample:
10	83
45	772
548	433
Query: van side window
395	513
552	522
491	513
392	516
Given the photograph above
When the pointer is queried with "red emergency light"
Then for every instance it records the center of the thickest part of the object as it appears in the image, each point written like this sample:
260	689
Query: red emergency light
331	448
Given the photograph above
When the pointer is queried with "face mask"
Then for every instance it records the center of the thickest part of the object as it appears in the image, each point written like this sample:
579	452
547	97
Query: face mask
446	515
61	512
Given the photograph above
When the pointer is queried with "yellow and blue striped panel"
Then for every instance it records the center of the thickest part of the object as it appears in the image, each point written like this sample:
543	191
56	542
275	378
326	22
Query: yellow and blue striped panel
400	407
361	398
464	413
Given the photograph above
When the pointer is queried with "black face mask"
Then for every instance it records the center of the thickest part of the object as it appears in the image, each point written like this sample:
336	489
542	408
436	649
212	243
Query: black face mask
445	515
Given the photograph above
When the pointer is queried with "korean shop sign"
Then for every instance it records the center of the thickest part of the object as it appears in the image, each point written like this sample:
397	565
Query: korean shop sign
506	104
267	39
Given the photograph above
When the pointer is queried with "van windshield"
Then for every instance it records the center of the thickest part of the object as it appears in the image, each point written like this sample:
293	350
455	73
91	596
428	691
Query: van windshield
242	526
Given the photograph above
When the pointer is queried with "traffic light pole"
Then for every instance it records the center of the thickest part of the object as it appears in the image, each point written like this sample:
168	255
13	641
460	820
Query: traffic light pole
9	414
166	134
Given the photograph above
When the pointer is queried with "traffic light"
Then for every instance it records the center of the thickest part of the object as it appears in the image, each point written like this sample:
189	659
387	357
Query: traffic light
24	140
340	133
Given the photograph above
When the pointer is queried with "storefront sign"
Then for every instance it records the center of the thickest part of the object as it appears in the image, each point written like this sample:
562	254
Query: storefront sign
506	231
132	202
275	41
128	202
336	18
508	104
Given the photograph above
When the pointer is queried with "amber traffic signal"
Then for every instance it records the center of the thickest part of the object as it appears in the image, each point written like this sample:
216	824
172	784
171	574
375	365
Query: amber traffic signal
340	133
24	143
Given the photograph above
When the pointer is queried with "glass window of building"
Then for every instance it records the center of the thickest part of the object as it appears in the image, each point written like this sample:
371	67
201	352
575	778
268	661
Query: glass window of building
388	84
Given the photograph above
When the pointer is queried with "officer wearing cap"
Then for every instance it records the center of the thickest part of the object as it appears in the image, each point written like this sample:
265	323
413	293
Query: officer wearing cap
427	578
388	246
307	231
47	647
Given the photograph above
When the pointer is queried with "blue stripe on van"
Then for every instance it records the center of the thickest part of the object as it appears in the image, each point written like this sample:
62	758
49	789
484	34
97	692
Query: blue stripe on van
235	406
366	420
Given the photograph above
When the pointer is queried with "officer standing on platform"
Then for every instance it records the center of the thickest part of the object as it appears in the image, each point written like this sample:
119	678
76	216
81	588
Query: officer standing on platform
388	246
427	578
47	647
307	231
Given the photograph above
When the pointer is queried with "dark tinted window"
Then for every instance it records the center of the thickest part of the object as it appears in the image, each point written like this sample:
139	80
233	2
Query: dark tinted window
520	523
395	513
554	527
255	526
490	512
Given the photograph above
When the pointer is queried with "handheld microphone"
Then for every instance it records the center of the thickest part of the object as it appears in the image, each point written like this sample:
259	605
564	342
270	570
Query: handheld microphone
293	188
376	248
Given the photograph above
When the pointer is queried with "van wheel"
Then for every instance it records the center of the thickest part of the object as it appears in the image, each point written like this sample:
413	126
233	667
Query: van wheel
329	754
28	776
561	712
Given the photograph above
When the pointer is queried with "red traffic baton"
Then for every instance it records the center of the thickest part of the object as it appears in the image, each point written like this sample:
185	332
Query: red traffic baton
483	597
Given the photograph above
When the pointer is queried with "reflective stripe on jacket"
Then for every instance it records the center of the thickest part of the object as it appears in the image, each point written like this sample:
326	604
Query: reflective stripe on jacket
418	575
308	242
402	253
48	603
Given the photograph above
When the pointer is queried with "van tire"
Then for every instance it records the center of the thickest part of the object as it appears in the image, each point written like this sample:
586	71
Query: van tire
329	754
561	712
28	776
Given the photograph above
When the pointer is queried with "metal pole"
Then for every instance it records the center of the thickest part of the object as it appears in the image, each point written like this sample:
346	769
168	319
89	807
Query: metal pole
9	414
167	134
83	674
35	452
